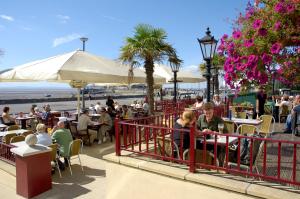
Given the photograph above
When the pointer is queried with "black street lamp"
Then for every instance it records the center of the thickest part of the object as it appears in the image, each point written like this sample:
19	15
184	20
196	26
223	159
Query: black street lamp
208	46
83	39
273	73
175	69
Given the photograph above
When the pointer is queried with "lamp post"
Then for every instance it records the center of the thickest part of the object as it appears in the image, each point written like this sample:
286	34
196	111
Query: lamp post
175	69
208	46
273	72
83	39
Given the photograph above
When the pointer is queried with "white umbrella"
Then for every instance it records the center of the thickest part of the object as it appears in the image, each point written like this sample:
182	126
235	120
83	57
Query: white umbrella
182	75
77	68
76	65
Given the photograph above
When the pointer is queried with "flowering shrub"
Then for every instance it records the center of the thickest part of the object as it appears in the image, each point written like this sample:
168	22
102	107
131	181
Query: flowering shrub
265	37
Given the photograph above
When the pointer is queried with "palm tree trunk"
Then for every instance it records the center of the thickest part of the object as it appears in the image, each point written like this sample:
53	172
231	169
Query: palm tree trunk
149	67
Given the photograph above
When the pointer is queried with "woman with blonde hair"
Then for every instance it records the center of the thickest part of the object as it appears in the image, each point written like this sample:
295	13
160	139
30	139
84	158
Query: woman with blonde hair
43	137
186	121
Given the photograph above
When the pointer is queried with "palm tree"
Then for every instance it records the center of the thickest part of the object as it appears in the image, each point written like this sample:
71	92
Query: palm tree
146	47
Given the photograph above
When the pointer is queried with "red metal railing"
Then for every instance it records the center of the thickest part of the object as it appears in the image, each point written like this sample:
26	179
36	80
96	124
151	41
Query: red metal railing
269	159
168	105
5	153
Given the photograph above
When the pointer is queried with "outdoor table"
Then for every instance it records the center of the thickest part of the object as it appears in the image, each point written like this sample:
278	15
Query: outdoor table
23	120
221	140
3	126
18	144
18	132
240	121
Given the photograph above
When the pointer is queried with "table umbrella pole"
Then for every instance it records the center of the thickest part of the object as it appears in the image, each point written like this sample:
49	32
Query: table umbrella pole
78	102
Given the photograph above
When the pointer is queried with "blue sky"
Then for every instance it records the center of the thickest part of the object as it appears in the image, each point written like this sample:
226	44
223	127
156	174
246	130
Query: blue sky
35	29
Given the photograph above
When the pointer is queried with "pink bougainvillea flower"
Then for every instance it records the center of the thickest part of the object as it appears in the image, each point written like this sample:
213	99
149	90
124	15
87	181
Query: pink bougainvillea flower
277	25
248	43
236	34
262	32
267	59
280	8
290	8
257	24
275	49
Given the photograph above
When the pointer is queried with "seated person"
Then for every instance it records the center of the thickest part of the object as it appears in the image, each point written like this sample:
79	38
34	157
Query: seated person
199	102
43	137
133	105
7	119
127	113
217	100
208	121
46	113
63	138
290	124
83	121
146	108
98	107
106	124
187	119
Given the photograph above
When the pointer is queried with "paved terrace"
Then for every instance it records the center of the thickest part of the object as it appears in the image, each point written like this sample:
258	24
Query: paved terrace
93	183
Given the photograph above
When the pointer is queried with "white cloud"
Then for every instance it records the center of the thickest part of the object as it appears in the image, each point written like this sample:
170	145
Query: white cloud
63	18
6	17
66	39
112	18
26	28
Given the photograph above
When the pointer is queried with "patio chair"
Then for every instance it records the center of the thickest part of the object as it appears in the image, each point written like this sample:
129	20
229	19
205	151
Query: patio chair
246	129
13	127
241	115
268	109
257	149
54	148
77	135
230	126
6	139
283	112
75	150
209	160
18	138
265	127
27	133
167	149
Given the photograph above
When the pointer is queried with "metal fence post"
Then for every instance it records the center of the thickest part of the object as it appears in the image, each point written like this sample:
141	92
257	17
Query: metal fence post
192	149
117	146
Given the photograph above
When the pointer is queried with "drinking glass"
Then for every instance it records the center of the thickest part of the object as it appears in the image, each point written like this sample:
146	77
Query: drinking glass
221	127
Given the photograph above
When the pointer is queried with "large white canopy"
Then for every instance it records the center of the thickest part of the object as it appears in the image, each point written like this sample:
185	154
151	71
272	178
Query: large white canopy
77	65
184	76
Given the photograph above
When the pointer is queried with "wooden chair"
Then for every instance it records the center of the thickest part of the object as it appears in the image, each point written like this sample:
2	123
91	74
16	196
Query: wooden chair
18	138
6	139
77	135
75	150
13	127
54	148
265	127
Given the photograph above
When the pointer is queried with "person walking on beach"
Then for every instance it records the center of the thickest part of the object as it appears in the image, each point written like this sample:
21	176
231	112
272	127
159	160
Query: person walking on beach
110	102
